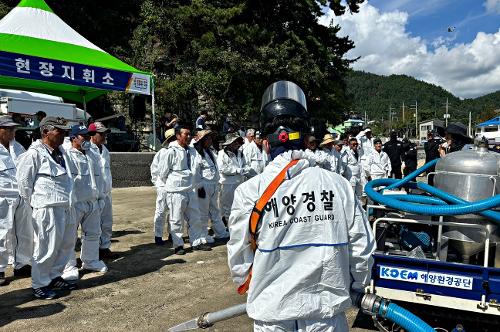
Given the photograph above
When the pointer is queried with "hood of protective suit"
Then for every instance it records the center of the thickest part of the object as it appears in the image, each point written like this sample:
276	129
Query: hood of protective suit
314	243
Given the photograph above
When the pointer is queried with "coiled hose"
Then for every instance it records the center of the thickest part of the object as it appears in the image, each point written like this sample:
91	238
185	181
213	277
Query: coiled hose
442	204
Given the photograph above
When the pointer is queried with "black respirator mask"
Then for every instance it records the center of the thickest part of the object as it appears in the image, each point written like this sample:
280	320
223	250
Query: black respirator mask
284	99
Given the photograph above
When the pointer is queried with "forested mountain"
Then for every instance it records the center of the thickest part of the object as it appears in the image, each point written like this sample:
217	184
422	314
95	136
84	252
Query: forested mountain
375	94
220	55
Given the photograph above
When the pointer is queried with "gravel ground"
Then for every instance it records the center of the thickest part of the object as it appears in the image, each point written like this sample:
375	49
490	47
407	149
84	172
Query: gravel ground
147	289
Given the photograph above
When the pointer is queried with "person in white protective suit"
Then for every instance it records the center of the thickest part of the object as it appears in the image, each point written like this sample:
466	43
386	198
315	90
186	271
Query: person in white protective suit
378	164
300	241
353	167
365	148
255	155
97	140
44	182
85	171
161	208
209	190
179	169
320	157
327	145
233	169
16	229
249	138
339	148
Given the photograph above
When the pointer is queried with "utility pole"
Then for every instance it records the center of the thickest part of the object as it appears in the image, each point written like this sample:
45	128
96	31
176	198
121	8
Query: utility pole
470	124
390	117
446	115
415	108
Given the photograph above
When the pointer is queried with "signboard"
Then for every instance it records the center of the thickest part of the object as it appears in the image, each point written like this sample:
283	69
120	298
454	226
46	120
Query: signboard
41	69
425	277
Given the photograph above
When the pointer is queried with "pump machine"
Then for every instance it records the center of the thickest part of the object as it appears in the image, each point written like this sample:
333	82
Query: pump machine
440	245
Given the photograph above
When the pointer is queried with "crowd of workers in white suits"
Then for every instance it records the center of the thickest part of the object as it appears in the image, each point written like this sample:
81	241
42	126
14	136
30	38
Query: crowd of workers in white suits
63	183
195	183
60	184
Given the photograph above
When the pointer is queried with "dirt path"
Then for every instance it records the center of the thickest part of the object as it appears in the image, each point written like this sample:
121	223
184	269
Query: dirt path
146	289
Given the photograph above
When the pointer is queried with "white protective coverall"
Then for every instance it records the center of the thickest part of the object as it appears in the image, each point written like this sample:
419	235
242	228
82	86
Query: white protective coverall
256	159
353	171
46	185
340	164
209	206
105	195
16	228
321	158
179	169
365	149
314	246
85	171
161	193
232	169
378	165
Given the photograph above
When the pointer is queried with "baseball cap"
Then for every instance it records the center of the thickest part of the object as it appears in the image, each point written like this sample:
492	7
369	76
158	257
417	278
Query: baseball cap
6	121
80	130
311	138
367	130
59	122
377	140
98	127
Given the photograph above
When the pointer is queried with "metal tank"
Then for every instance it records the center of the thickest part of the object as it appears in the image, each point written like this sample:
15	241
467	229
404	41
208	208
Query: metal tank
472	175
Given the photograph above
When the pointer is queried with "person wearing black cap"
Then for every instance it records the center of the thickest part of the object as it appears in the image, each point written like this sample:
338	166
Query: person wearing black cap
394	148
409	156
102	153
45	183
322	159
431	147
456	138
86	174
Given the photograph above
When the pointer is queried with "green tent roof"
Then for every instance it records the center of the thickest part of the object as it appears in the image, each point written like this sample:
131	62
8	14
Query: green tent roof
40	52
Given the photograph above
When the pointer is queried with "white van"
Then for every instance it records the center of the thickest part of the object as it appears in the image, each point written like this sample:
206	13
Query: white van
29	103
489	130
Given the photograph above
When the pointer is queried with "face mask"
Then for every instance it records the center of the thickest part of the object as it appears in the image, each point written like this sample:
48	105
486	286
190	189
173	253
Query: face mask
85	145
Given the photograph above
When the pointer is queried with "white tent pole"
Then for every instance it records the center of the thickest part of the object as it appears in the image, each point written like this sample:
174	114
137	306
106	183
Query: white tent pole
154	114
84	109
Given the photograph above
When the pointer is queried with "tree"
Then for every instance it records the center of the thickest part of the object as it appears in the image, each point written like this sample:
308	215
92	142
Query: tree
221	55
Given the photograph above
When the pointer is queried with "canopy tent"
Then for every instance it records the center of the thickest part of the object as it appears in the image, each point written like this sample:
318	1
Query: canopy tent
492	122
39	52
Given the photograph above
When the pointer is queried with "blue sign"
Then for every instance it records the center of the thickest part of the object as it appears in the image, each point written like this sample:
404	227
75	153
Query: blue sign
425	277
41	69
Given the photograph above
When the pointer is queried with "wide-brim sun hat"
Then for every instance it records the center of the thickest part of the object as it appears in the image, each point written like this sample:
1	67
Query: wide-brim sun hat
168	135
231	138
327	139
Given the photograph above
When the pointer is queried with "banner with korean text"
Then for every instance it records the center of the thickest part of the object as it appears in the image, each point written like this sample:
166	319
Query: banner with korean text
36	68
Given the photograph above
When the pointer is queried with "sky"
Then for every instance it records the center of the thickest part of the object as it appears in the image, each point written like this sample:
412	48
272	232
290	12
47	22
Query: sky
451	43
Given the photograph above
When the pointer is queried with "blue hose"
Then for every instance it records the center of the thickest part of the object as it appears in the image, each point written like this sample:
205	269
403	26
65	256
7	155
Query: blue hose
434	206
403	318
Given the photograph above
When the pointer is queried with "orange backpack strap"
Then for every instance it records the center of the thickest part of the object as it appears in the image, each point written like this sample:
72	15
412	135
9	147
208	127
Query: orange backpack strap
257	213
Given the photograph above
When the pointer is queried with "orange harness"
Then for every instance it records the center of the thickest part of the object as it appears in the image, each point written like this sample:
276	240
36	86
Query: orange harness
257	214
